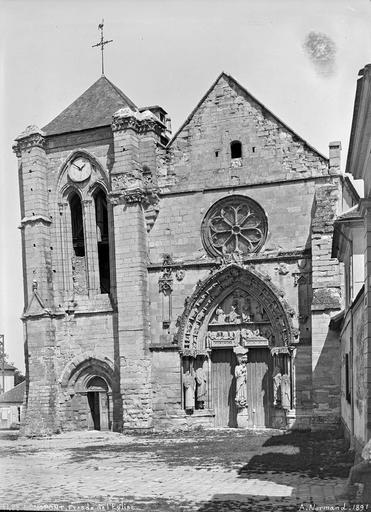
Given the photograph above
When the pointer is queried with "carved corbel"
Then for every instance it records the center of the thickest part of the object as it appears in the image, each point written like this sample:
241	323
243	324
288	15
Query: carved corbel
165	284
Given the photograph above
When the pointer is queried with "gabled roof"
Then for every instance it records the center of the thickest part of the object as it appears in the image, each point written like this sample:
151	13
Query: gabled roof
245	92
351	214
15	394
344	221
8	366
92	109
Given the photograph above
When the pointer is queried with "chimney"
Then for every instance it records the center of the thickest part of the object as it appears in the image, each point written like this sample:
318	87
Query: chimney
334	157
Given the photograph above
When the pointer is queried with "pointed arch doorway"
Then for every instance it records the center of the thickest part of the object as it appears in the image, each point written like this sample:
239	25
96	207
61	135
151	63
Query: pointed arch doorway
237	307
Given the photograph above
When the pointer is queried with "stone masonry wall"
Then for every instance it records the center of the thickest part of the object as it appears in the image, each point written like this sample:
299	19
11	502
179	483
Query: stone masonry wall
326	282
199	156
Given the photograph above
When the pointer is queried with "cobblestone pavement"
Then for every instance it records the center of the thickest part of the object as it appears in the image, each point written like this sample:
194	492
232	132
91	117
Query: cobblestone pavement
204	470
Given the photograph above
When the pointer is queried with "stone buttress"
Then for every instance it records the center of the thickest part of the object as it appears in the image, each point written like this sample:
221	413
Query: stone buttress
39	328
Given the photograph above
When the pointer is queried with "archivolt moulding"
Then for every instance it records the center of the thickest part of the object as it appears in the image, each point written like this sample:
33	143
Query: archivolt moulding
83	367
201	306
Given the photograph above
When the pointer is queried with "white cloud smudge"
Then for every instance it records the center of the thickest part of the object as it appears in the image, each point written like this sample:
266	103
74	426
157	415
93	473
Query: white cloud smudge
321	50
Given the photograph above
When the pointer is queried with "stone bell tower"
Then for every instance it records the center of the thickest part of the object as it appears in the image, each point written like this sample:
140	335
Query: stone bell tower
88	197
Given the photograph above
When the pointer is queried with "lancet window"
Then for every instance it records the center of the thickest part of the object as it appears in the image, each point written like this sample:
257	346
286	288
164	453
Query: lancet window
84	227
77	225
101	218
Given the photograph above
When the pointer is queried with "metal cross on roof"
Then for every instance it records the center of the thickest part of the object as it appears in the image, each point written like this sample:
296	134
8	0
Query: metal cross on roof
102	43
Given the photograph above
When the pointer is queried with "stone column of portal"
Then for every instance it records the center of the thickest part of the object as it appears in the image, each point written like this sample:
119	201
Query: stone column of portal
41	415
91	247
130	273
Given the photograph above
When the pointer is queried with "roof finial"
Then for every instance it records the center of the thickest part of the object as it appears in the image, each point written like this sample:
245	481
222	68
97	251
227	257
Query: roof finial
102	43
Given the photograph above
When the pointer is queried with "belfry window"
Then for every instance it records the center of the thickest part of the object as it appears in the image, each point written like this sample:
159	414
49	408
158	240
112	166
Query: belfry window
101	216
236	149
78	240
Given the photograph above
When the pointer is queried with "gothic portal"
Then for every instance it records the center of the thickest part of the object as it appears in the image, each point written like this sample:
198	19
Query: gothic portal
181	279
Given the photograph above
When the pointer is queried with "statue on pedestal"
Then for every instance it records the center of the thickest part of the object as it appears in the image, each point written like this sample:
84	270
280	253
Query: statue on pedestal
277	379
201	388
240	373
285	392
189	391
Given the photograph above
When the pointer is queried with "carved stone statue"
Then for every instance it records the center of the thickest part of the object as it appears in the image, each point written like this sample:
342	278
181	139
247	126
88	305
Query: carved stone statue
277	379
246	317
233	317
240	373
201	388
189	391
285	392
260	314
220	316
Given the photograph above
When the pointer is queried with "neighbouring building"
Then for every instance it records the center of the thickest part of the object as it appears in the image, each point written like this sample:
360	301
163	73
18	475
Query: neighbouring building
8	377
11	404
352	246
179	281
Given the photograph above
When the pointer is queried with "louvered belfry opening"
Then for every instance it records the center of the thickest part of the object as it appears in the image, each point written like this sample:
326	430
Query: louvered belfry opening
101	216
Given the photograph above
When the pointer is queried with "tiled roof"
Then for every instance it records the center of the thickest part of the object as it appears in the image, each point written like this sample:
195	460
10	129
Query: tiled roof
92	109
15	394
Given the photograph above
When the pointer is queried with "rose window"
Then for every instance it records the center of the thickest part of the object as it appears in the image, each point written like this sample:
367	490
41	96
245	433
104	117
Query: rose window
234	225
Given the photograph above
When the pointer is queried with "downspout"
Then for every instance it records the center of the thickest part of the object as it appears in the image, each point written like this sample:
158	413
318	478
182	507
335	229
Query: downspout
352	385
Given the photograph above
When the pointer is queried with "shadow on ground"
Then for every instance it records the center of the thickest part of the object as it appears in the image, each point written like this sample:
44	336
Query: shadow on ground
319	454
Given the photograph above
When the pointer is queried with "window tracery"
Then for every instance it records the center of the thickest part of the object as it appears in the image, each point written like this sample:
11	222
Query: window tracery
84	225
234	225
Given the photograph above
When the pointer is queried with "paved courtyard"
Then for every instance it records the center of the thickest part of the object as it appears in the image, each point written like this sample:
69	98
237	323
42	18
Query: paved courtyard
204	470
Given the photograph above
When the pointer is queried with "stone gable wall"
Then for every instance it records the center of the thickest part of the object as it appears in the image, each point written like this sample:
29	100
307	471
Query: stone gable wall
270	152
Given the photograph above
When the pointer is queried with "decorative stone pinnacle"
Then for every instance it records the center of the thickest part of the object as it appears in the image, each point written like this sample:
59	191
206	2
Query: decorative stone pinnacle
32	136
32	129
141	122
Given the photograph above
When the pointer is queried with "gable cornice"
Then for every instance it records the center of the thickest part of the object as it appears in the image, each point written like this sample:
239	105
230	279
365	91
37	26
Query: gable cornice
230	78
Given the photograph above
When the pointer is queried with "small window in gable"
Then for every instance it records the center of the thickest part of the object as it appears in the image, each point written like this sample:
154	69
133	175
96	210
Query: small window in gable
236	149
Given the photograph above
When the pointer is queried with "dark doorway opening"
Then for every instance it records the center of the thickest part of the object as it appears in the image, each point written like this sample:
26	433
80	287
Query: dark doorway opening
99	398
93	399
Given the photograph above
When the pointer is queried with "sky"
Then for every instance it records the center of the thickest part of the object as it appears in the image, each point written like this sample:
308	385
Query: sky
300	59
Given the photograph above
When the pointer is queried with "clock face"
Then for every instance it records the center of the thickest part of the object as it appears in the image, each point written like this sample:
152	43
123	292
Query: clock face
80	169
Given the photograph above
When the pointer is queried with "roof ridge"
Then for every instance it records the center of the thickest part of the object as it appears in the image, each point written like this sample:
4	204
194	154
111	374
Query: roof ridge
266	109
94	108
120	92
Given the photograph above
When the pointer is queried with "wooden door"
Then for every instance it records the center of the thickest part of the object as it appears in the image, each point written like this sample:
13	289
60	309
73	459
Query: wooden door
223	387
259	387
103	410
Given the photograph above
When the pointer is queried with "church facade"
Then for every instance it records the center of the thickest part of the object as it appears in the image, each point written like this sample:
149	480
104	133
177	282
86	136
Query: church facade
184	280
